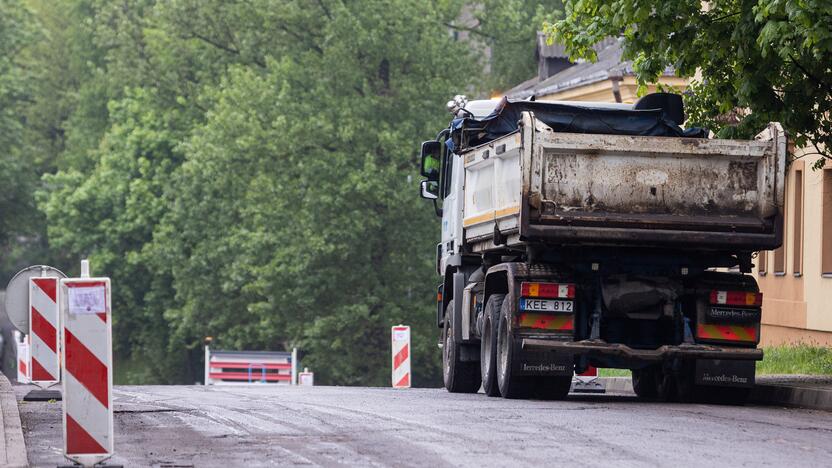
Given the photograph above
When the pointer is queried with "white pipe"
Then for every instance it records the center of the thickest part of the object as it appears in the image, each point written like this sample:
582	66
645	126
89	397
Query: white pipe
207	364
294	366
85	268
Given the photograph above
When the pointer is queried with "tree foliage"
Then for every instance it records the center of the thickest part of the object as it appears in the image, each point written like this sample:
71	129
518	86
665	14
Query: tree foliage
246	171
17	30
242	170
508	30
759	61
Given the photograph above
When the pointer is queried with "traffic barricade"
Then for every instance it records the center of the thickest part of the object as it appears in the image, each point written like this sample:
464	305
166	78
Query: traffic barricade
400	347
87	365
22	352
44	338
250	367
31	303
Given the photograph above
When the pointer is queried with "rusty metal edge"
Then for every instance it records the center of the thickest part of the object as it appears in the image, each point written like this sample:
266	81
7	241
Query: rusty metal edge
667	351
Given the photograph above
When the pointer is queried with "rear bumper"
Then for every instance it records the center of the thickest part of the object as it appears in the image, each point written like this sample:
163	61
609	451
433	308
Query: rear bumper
601	348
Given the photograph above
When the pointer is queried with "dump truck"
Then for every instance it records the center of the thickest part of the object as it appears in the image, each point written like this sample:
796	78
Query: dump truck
579	234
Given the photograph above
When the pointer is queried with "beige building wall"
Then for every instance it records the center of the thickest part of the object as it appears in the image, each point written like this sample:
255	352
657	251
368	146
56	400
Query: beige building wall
796	280
797	298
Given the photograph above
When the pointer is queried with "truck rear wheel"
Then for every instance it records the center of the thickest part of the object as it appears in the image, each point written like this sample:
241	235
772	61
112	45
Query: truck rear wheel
488	345
644	382
510	385
459	376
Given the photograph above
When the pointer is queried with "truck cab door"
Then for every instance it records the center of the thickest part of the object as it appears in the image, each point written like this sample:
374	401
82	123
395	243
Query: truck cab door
451	180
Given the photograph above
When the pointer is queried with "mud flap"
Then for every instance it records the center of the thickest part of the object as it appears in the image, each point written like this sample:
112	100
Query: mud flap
725	373
543	362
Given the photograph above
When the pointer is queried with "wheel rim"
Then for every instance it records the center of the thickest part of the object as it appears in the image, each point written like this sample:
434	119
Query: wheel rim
446	353
502	346
488	345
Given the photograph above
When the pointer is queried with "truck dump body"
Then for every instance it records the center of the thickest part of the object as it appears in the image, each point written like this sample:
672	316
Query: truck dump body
541	185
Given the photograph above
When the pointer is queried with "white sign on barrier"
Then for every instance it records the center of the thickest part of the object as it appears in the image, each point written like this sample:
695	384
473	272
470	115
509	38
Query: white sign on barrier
400	339
86	316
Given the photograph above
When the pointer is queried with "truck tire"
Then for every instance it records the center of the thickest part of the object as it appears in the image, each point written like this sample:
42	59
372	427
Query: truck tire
666	386
510	385
459	376
644	382
488	344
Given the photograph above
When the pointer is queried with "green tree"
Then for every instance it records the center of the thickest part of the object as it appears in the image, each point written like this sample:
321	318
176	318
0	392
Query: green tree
252	177
18	172
247	170
297	214
767	56
508	28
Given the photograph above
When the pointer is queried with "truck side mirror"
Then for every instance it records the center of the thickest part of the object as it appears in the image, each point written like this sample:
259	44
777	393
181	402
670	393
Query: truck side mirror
431	153
429	189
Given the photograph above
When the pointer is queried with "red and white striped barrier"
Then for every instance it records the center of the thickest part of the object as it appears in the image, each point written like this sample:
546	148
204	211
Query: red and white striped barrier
44	331
22	351
250	367
400	338
35	287
87	368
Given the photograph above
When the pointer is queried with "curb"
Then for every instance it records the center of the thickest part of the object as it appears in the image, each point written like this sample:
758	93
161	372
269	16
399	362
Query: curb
766	392
799	393
617	384
11	430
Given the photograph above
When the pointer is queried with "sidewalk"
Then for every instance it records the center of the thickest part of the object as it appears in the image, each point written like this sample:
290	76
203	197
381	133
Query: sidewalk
799	391
13	453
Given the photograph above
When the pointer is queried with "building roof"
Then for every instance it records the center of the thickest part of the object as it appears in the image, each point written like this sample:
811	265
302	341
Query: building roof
608	65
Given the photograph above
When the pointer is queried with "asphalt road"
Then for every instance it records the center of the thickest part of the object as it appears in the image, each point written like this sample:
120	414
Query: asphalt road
327	426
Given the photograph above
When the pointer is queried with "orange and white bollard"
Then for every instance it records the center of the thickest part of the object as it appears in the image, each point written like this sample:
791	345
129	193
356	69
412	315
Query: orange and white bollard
400	338
85	305
22	351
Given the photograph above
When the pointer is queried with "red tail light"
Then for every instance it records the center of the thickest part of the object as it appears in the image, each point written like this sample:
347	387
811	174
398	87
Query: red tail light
548	290
737	298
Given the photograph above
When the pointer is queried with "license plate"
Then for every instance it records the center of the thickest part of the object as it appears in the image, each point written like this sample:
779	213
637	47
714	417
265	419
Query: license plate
545	305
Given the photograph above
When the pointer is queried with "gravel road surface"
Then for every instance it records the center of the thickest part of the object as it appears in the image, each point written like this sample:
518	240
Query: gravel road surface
327	426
